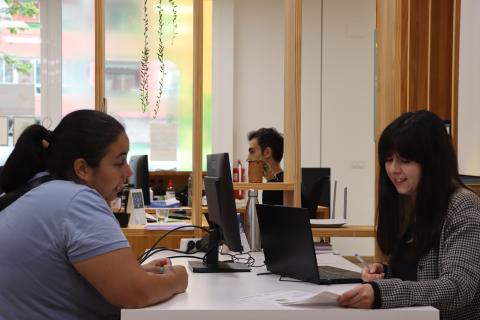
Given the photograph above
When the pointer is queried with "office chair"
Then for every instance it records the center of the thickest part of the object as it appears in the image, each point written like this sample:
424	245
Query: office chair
311	196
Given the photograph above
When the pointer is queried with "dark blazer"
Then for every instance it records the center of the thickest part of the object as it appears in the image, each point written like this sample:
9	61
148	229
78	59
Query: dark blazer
449	276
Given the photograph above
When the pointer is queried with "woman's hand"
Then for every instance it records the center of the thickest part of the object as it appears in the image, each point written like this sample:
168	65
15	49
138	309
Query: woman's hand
157	265
164	266
361	296
374	272
181	277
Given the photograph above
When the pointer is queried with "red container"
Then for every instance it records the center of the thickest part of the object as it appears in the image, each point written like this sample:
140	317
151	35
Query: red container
239	176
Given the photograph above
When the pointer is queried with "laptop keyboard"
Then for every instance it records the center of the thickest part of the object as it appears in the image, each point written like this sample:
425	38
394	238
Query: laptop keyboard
328	272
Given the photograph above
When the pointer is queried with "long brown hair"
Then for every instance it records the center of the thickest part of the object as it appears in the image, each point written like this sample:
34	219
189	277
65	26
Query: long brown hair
420	137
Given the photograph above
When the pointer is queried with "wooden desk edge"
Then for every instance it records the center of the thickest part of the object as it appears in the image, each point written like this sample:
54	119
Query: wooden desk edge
344	231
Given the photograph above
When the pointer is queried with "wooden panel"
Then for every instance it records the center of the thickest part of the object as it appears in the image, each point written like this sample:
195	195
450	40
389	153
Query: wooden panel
99	55
403	17
419	13
455	44
417	61
292	97
197	112
441	58
389	63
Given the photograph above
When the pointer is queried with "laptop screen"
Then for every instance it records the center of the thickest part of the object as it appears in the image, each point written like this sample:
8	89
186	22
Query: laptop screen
287	242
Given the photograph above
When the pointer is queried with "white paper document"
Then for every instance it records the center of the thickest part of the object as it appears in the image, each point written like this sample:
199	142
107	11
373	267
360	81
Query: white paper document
168	226
163	141
303	298
295	297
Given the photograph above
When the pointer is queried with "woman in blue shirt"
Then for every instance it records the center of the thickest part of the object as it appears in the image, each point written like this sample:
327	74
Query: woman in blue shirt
63	253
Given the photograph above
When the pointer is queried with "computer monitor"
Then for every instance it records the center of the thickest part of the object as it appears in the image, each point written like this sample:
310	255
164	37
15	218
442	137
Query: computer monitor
1	169
140	175
315	189
222	215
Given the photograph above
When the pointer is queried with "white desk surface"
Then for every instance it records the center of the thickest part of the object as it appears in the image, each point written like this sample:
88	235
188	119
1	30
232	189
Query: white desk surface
218	296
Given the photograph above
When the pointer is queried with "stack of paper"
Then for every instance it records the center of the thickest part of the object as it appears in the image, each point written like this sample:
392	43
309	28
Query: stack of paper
323	247
168	226
169	203
295	297
304	298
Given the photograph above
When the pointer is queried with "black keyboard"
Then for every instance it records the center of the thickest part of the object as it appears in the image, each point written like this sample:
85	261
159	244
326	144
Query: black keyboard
328	272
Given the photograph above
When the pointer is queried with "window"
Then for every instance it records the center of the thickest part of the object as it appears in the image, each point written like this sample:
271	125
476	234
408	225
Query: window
19	60
167	138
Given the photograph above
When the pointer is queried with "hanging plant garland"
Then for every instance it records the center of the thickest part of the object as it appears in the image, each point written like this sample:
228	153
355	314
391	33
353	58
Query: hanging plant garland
144	69
144	62
160	51
174	19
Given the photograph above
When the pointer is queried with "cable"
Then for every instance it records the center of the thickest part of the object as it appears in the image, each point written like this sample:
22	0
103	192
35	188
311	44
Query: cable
182	256
249	260
208	252
148	253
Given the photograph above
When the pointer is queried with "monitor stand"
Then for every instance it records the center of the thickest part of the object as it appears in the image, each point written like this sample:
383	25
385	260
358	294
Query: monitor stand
200	267
210	263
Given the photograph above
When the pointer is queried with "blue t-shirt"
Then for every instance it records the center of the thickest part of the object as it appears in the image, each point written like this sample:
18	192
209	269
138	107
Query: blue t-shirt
41	235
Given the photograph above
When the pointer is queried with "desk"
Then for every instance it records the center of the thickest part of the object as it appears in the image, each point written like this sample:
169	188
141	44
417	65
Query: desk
218	297
141	239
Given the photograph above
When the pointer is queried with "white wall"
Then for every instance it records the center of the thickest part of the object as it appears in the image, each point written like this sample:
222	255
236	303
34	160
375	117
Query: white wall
468	93
223	75
258	71
258	75
347	111
311	82
337	104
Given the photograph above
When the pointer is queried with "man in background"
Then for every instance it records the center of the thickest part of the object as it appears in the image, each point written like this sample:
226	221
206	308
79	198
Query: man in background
266	144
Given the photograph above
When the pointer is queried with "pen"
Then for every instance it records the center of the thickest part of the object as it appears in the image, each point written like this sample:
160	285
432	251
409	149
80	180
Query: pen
362	261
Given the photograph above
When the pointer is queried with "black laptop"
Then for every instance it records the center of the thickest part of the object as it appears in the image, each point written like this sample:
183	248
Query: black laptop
287	242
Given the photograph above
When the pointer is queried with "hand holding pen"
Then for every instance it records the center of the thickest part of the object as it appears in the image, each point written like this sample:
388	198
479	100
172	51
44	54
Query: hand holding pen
371	272
157	265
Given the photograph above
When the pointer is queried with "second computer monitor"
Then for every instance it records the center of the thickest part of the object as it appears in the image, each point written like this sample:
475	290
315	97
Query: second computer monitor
222	216
315	189
225	214
140	176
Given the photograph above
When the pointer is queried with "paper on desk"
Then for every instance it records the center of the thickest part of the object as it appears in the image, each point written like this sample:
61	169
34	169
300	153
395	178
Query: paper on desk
295	297
168	226
322	297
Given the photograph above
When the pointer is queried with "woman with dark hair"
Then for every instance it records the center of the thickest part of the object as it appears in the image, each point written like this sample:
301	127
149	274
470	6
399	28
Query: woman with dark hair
428	225
63	255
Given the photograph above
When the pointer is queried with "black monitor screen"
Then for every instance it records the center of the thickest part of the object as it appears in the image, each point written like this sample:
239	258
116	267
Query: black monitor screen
222	215
140	176
315	189
225	214
1	169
